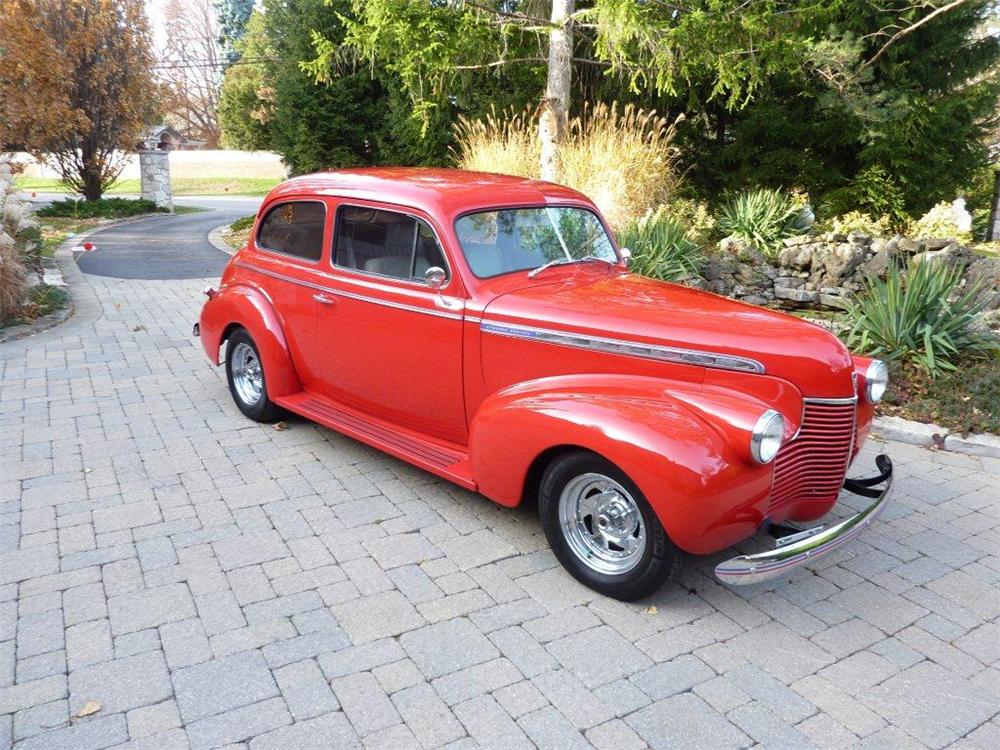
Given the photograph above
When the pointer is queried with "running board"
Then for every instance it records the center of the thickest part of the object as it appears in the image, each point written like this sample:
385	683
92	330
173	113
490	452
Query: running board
447	462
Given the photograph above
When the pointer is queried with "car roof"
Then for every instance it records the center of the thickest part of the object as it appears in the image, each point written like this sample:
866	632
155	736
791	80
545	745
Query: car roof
444	193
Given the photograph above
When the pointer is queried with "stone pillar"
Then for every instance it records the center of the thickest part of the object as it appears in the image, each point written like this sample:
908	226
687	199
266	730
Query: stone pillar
154	171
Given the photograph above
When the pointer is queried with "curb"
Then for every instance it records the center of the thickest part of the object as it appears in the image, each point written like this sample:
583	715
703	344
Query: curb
38	325
216	241
63	256
935	436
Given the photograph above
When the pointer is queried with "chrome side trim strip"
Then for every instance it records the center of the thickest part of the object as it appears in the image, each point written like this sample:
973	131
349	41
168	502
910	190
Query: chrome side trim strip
629	348
349	295
832	401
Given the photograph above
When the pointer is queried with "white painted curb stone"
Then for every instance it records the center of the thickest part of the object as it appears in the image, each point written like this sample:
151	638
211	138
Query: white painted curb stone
978	445
904	431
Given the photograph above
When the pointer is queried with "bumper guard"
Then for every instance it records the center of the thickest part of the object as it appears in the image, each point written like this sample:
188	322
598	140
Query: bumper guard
804	546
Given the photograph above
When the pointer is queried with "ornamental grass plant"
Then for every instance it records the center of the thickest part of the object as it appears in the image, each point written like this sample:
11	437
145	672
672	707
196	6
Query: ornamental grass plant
15	223
921	317
621	157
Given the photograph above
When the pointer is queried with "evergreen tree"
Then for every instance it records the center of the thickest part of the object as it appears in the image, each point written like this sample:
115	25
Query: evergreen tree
244	100
233	16
912	118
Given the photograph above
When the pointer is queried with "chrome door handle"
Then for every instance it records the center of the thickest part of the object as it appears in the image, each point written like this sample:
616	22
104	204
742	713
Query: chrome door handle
323	299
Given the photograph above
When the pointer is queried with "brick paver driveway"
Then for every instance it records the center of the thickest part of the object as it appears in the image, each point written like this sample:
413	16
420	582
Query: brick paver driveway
213	582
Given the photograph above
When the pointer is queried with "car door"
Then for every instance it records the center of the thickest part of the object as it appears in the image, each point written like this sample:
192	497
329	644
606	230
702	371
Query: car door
289	244
392	345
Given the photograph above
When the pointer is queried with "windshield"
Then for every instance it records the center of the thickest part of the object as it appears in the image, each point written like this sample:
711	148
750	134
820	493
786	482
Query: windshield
515	239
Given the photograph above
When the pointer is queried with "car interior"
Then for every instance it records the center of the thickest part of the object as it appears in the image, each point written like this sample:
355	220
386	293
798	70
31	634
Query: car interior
294	229
385	243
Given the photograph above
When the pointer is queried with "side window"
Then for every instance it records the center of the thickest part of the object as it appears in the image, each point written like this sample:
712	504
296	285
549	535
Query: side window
385	243
294	228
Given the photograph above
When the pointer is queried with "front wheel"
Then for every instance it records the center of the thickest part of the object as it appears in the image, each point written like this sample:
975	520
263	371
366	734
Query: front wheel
245	373
602	529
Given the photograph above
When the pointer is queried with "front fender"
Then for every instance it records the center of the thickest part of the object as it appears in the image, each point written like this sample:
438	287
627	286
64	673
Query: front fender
248	307
684	444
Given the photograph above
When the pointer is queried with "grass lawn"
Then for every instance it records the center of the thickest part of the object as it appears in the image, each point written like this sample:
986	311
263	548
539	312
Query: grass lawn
250	186
57	229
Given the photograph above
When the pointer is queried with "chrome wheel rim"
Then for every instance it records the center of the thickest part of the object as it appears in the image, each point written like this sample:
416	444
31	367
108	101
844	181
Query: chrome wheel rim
248	377
602	524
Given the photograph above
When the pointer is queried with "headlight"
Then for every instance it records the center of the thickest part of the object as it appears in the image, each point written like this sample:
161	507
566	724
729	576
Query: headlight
876	380
768	432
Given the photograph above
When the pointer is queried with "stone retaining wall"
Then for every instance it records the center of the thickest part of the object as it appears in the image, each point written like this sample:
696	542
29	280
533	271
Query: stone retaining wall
826	270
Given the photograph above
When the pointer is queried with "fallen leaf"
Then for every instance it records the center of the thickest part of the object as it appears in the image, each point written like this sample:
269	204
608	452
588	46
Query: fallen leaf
281	426
651	609
138	328
90	707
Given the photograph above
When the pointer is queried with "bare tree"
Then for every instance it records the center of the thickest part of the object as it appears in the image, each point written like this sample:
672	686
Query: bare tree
191	66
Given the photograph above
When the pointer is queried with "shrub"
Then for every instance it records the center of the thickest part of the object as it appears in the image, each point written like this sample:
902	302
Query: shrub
622	158
938	222
105	208
237	234
695	217
872	192
243	223
762	218
660	247
855	221
920	317
963	400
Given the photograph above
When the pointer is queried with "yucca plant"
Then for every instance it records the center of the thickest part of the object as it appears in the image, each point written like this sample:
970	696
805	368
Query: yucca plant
920	316
660	247
762	218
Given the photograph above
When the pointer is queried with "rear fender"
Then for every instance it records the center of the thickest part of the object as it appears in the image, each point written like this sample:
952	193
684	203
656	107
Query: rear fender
685	445
247	307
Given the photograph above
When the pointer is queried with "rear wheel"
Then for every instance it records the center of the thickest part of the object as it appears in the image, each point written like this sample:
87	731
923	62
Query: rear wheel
247	384
602	529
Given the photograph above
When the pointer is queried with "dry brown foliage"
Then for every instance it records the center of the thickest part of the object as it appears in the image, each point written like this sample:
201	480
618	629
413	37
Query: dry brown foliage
76	84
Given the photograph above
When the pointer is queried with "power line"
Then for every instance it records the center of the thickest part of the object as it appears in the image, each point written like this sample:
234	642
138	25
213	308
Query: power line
192	64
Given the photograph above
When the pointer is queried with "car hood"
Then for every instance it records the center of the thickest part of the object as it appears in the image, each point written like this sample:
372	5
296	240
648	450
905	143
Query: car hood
632	308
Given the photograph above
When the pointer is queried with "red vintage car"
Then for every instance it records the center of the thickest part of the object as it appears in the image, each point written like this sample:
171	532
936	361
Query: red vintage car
486	329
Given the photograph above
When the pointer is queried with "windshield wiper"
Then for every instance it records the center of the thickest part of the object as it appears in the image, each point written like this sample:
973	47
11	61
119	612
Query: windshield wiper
555	262
565	261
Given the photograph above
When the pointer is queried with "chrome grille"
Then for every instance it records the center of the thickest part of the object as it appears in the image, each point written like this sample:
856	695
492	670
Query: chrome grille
813	465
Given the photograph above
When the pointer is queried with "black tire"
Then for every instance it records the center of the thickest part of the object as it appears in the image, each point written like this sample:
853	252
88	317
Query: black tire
660	559
262	409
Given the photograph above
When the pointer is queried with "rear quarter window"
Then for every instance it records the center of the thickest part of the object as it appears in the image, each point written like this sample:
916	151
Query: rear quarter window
294	228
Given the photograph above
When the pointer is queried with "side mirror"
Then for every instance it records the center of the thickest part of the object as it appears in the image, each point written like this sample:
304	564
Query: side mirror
626	255
435	277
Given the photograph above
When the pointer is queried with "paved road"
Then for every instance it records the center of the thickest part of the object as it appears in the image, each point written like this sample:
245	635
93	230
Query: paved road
162	247
165	247
214	582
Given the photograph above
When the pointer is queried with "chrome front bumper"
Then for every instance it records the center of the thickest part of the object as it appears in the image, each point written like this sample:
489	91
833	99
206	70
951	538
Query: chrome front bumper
803	547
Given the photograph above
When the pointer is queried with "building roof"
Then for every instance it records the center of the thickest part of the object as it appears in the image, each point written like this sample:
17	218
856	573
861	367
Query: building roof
441	192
